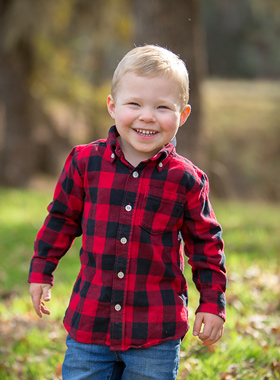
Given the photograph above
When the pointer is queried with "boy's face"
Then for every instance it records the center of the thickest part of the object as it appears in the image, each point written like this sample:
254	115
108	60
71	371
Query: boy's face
147	113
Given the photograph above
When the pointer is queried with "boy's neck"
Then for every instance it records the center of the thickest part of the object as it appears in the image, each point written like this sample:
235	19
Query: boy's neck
131	156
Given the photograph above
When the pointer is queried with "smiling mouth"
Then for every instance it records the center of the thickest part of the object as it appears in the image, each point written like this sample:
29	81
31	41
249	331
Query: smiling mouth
144	132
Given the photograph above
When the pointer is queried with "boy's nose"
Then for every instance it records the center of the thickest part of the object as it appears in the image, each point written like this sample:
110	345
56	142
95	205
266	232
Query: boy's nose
147	115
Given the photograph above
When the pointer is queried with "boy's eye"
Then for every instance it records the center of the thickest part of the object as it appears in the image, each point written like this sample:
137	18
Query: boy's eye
133	104
163	107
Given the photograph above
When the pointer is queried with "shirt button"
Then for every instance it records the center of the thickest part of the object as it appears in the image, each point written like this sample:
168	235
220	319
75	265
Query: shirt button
113	155
128	207
135	174
120	275
123	240
118	307
160	164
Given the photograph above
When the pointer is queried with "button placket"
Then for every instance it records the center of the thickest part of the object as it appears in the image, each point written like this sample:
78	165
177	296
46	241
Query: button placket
120	279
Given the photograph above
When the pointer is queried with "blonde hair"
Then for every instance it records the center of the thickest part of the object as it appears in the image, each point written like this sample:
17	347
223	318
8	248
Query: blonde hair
150	61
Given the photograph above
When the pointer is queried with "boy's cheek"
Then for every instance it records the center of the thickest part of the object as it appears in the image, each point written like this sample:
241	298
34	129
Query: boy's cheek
124	118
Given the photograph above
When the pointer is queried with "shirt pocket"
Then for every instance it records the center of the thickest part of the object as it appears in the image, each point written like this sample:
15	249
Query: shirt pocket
161	211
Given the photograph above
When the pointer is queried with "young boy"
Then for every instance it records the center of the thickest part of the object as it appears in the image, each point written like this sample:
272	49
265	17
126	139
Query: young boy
135	201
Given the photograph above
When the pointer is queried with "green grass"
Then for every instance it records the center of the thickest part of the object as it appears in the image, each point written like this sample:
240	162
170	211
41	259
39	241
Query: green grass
249	348
31	348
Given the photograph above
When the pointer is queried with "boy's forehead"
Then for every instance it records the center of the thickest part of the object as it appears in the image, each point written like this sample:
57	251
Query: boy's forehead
158	88
133	84
130	79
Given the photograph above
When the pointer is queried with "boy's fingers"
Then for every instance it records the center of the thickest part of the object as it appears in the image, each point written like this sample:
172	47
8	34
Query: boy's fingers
197	324
46	292
213	338
36	292
212	327
44	309
210	334
206	333
207	337
36	300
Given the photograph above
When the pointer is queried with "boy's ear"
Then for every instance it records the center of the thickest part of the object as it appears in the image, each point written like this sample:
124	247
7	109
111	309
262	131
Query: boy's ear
111	106
185	114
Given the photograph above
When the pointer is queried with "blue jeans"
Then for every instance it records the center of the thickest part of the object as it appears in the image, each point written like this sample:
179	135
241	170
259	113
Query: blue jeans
95	362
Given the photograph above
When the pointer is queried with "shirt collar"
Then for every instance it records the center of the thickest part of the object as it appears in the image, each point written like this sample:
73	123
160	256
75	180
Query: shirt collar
113	143
161	156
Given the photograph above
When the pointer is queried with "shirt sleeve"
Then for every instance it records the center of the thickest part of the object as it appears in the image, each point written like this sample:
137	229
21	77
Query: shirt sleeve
204	247
62	225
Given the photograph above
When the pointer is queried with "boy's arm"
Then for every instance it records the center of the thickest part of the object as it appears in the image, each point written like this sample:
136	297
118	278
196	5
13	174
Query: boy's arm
204	247
62	224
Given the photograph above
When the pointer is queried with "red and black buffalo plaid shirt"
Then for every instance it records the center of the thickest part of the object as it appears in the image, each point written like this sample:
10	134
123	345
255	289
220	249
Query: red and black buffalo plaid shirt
131	291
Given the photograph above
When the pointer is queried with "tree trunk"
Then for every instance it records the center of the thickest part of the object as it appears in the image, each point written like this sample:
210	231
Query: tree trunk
176	25
16	150
22	151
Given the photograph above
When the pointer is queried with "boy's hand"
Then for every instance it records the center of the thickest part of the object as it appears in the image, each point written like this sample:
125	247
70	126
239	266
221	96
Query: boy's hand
36	291
212	329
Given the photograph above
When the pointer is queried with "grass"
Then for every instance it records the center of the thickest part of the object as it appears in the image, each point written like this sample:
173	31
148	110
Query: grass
30	348
34	349
249	348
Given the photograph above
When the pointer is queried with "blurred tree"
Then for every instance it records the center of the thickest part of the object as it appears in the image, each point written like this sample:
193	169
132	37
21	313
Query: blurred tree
60	51
177	26
64	52
79	55
242	37
22	149
16	64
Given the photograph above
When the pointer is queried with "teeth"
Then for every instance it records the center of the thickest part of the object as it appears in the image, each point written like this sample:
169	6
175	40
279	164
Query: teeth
144	132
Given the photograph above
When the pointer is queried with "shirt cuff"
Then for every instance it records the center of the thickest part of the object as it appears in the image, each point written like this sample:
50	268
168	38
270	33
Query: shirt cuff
213	302
41	271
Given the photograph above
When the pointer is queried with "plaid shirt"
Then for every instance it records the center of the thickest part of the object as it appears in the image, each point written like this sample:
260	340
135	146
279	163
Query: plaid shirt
131	291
